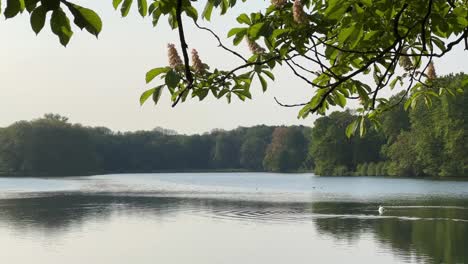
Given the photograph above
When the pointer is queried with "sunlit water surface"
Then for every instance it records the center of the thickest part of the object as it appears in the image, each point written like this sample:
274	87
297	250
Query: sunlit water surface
203	218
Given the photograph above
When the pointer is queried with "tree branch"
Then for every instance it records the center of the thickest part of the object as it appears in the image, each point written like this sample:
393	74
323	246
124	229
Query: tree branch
184	46
289	105
423	25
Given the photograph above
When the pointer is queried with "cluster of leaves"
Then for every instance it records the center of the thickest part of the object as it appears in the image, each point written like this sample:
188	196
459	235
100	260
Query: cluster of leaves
405	145
331	49
341	41
83	18
208	82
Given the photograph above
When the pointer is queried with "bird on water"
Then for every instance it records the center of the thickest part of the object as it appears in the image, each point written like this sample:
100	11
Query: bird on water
381	209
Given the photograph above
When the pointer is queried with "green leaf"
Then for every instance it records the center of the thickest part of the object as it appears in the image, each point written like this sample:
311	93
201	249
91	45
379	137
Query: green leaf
156	15
143	7
244	19
116	3
394	82
30	4
222	93
60	25
22	5
192	12
38	17
345	33
367	2
362	127
351	128
439	43
201	93
263	82
153	7
208	10
340	99
86	18
304	112
335	9
407	104
278	32
362	92
51	5
254	31
242	94
172	19
172	79
235	31
157	94
144	96
239	37
269	74
125	9
151	74
465	82
13	8
224	6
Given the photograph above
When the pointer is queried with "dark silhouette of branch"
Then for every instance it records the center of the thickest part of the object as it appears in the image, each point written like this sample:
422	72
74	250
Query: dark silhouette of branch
184	46
298	74
387	75
396	22
423	25
289	105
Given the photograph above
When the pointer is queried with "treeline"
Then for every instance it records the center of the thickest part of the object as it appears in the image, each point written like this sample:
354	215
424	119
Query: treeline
51	146
417	143
421	142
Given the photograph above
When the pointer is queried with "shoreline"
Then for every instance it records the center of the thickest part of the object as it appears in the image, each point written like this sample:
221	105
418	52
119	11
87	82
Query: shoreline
231	171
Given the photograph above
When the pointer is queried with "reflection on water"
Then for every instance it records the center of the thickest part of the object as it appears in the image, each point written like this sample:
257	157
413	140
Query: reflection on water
426	230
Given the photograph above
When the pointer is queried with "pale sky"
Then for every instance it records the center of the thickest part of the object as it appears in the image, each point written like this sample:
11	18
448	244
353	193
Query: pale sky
99	82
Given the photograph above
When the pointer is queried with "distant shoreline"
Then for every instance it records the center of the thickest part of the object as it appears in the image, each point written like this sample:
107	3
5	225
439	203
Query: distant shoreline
234	171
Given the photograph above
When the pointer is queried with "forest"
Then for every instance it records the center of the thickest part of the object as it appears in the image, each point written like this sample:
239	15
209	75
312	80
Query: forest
418	142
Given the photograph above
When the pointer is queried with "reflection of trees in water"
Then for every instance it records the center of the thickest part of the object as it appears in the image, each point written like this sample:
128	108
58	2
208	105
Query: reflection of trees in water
428	239
334	219
443	240
58	213
427	233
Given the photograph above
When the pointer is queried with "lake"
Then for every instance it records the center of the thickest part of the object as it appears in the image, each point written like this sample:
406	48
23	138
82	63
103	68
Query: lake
248	218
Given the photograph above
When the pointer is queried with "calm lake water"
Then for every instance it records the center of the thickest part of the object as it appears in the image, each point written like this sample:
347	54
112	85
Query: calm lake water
203	218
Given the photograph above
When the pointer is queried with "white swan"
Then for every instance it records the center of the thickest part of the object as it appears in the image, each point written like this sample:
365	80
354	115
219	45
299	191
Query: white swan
381	209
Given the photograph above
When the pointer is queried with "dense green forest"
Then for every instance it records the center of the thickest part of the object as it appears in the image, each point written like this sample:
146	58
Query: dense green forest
417	143
52	146
424	141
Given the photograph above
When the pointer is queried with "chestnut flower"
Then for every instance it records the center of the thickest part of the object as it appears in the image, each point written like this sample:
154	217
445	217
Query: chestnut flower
197	65
279	3
406	63
254	47
299	15
431	73
174	60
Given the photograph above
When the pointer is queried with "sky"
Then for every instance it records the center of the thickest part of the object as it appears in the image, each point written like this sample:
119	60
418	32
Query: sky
98	82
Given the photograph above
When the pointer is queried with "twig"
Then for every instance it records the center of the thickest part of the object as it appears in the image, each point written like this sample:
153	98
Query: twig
289	105
221	43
